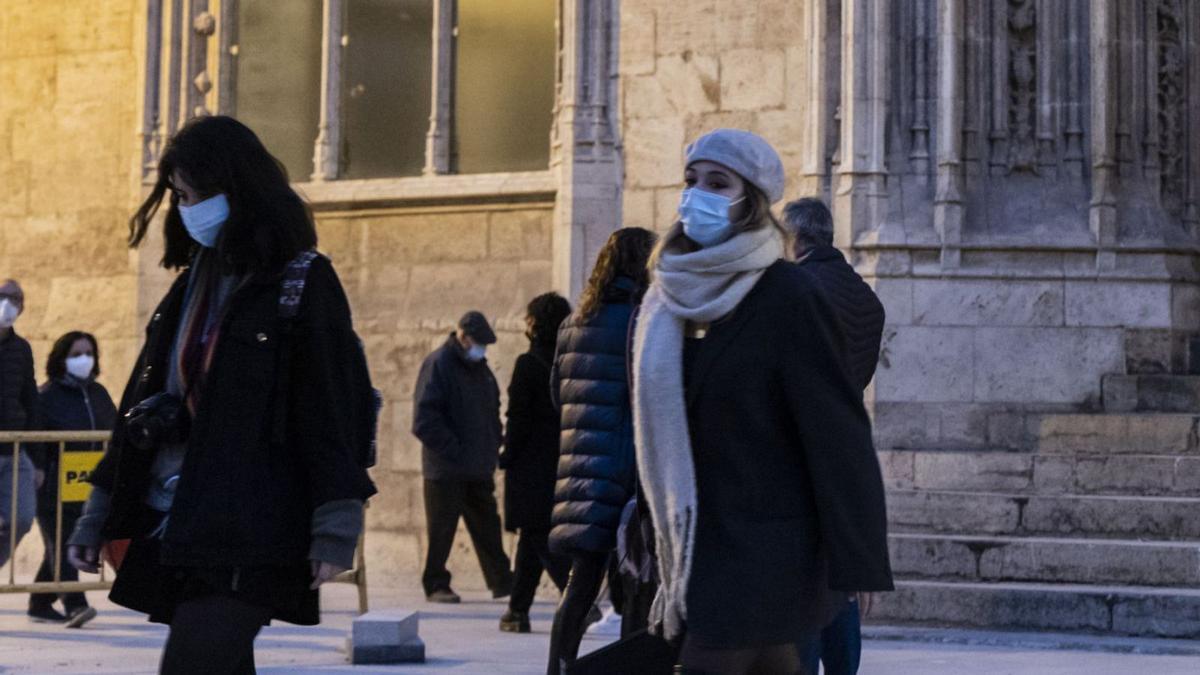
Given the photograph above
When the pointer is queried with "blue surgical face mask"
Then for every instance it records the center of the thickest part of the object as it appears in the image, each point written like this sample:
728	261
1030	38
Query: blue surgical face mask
705	216
476	352
204	220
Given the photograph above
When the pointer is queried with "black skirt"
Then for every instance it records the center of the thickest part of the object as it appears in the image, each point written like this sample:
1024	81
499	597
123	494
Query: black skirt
146	585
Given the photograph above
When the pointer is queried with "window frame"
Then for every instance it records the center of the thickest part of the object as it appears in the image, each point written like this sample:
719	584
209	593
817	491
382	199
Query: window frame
191	69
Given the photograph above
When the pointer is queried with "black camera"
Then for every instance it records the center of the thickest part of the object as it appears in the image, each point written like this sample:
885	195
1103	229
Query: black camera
156	421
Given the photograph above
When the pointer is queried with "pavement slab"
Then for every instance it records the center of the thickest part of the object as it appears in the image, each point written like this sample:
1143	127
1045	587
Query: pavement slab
465	639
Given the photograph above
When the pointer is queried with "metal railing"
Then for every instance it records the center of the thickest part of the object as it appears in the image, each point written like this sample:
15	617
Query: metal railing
74	466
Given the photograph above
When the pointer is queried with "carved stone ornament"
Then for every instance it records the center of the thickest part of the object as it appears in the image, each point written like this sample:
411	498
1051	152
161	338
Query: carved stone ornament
1171	95
1022	72
204	24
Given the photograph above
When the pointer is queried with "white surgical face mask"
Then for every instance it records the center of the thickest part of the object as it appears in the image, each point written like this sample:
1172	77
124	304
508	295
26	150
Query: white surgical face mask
705	216
204	220
477	352
81	366
8	313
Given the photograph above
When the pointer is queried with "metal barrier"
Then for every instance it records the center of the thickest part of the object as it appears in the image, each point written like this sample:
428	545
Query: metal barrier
74	466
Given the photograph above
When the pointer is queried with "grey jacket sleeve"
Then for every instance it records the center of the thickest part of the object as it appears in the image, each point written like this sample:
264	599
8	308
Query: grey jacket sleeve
95	512
335	529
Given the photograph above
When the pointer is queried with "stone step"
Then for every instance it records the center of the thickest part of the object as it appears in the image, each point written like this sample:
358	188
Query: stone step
994	513
1118	610
1119	433
1170	475
1046	559
1156	393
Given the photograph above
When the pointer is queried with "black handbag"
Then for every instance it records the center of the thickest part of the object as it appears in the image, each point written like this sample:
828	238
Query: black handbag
638	654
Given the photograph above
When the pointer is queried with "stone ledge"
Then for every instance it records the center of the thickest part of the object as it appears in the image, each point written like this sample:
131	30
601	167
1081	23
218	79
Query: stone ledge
526	186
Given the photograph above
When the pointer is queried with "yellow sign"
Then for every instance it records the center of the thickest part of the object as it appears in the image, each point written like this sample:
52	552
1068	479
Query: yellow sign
77	467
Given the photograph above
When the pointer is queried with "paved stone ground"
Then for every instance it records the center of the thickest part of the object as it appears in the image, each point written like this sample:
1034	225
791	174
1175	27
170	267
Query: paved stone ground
464	639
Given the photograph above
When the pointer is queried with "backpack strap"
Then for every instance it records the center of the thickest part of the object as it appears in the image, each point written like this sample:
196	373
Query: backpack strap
291	292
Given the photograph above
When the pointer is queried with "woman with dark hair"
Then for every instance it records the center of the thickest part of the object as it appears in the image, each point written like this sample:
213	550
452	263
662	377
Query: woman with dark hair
71	400
234	467
596	475
753	445
530	460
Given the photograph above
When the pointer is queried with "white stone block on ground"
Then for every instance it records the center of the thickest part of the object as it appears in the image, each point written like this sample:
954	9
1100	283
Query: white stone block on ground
386	636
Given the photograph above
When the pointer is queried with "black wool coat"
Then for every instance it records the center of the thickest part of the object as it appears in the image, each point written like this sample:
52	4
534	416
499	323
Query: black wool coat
18	390
456	416
859	313
790	495
596	468
530	457
68	404
244	498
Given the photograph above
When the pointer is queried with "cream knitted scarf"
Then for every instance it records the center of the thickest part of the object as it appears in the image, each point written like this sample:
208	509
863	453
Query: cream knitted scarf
700	286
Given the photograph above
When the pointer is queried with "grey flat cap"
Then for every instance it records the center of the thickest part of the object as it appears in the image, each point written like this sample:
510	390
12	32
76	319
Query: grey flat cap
750	155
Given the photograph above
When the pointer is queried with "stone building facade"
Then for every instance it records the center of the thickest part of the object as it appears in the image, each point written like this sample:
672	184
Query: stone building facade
1013	176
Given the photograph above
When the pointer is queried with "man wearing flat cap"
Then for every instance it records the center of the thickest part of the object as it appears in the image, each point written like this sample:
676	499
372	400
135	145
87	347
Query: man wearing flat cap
456	416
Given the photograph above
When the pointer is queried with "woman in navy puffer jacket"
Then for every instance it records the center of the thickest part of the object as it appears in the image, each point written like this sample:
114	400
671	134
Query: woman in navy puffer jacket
596	467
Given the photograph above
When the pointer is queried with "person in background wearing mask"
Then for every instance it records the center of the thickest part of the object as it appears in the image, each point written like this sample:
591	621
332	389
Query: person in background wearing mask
753	446
596	471
18	412
530	460
456	416
233	468
860	318
71	400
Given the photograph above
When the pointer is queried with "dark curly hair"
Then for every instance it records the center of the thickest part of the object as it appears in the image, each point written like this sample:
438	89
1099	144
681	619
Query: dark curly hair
56	364
547	312
624	255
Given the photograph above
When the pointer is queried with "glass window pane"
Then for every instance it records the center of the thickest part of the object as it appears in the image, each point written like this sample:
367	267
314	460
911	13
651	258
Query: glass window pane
386	87
504	91
279	77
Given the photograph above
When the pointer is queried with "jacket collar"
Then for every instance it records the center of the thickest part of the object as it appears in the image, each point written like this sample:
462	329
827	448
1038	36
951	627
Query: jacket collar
822	253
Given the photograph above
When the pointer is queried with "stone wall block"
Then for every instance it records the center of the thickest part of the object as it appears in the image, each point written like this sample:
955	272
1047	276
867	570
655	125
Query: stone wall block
679	31
1135	305
434	238
897	467
682	84
444	292
961	302
896	295
752	79
522	235
637	209
638	25
1054	474
951	512
654	151
987	471
993	607
912	556
1043	365
1185	307
905	425
27	83
73	302
1168	615
919	363
1111	516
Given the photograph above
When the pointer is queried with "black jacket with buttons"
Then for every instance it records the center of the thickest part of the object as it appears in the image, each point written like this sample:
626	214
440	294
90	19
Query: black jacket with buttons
68	404
243	498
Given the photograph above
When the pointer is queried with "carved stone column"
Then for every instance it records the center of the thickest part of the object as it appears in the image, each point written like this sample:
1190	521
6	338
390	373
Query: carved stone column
816	128
152	136
585	152
441	116
327	151
1102	215
948	200
860	194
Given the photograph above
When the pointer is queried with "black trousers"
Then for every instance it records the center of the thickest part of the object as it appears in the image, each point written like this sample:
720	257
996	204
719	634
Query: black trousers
534	556
570	621
46	521
213	635
474	502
